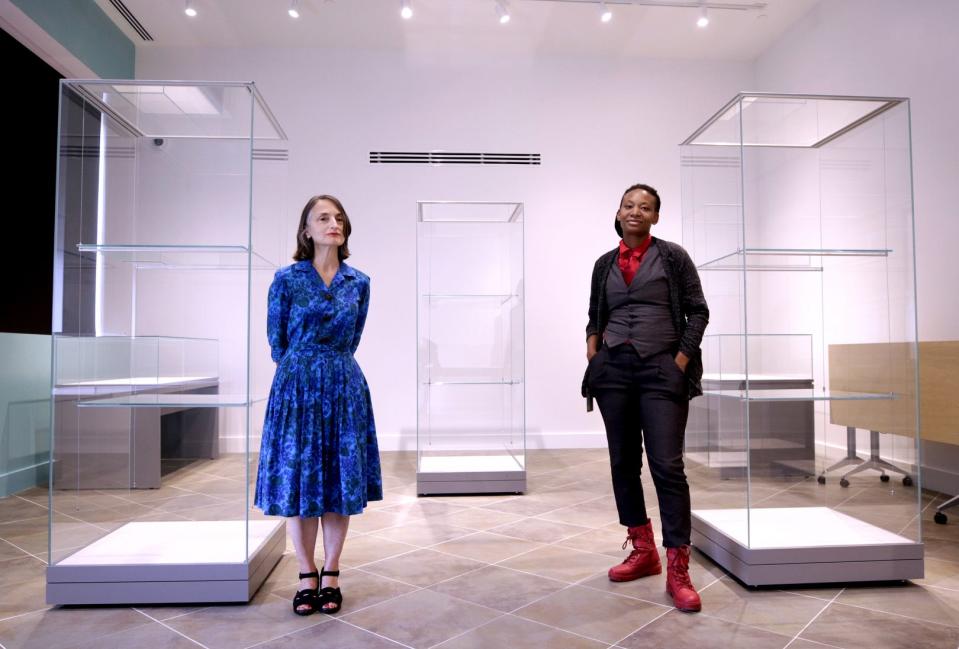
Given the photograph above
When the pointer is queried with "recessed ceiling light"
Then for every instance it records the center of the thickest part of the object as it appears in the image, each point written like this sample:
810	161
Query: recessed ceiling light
189	10
406	11
503	12
703	19
294	13
604	13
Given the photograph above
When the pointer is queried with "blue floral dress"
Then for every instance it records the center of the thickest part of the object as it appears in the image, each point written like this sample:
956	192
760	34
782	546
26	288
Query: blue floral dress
319	451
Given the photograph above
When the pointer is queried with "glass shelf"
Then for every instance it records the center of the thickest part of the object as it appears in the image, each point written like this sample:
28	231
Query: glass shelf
767	259
172	400
801	395
181	256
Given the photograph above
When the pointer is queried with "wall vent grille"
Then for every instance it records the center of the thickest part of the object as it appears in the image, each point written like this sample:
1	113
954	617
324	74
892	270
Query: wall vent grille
453	158
131	19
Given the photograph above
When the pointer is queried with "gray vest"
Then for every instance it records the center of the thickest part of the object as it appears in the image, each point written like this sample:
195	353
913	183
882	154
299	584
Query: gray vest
639	313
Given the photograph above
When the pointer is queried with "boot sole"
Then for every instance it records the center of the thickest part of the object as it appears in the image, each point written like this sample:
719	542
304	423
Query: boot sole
688	609
645	574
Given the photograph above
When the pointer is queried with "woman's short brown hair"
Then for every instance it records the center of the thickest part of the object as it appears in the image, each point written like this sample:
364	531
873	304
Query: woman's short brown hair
304	245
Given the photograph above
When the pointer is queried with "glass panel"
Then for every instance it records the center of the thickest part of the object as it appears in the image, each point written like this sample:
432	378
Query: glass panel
470	327
161	258
24	412
811	353
787	121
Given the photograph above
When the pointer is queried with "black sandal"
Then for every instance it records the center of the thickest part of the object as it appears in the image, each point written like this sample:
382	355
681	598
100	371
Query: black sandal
307	596
329	595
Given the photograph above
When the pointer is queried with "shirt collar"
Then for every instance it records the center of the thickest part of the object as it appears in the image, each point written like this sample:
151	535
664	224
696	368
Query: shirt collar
626	251
306	266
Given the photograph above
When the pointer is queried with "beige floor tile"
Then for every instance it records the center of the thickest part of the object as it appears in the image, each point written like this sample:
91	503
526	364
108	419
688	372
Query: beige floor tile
334	634
850	626
17	598
10	551
518	633
932	604
775	611
604	540
534	529
423	567
499	588
55	628
423	533
943	574
596	513
601	616
153	636
369	548
14	508
486	547
421	619
231	626
476	518
696	630
523	506
373	520
168	612
560	563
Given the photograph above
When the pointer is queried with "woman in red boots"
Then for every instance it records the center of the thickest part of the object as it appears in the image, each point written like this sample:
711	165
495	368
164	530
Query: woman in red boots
647	315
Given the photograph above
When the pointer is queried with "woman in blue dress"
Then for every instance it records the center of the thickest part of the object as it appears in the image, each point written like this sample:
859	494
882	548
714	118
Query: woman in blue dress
318	458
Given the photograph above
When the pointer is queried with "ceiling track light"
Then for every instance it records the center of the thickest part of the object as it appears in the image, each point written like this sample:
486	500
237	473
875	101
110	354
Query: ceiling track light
406	11
703	20
293	11
605	14
188	9
503	12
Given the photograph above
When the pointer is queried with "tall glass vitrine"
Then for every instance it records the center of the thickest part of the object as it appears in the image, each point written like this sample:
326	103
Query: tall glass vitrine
470	427
168	194
797	210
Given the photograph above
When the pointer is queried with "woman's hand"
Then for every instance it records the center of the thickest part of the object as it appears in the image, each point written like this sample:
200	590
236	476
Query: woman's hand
682	360
592	346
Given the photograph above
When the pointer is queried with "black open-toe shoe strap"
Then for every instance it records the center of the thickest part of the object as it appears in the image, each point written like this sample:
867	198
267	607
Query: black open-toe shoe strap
305	597
330	573
309	575
329	596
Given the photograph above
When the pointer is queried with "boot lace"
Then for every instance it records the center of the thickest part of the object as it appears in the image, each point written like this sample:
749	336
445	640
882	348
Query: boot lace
679	567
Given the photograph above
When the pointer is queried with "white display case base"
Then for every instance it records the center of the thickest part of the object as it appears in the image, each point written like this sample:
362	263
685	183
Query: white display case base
470	474
803	545
175	562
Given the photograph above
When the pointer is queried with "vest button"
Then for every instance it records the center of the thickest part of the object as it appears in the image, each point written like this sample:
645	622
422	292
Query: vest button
328	296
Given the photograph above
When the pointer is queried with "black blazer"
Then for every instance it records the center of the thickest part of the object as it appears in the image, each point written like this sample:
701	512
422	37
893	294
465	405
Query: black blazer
686	303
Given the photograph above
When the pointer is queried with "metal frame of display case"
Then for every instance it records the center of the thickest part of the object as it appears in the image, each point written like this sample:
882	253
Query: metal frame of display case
762	168
455	453
129	152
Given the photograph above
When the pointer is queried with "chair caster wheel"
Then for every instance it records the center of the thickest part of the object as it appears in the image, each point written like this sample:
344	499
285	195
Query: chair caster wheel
821	479
907	481
843	483
940	518
884	478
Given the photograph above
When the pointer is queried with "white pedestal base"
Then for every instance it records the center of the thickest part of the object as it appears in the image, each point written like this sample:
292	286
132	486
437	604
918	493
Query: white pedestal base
170	563
803	545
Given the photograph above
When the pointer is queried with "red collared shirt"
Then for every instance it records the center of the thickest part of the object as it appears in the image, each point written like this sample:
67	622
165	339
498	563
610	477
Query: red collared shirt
631	258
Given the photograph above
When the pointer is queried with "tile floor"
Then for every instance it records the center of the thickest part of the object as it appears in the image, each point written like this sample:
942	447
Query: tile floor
485	571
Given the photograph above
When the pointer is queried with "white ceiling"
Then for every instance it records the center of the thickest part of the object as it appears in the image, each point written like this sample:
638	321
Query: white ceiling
445	27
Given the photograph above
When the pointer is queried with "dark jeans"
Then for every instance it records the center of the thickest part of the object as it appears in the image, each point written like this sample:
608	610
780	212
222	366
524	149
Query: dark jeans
644	402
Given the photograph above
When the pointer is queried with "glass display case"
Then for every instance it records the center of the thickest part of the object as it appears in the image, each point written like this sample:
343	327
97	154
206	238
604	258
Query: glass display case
470	425
797	211
165	246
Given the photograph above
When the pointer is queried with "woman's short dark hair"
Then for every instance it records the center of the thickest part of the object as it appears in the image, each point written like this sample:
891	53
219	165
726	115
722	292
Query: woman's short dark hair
645	188
304	245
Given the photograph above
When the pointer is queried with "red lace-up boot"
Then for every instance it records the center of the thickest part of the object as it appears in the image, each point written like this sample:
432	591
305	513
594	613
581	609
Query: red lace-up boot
678	585
643	560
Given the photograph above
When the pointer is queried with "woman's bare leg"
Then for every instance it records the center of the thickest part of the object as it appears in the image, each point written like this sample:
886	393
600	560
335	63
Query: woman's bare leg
335	527
303	532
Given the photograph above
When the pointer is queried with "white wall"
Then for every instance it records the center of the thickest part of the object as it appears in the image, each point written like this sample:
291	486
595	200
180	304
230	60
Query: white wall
898	48
599	124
